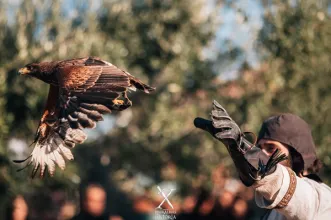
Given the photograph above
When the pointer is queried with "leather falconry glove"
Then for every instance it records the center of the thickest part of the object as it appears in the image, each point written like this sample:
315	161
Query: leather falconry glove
224	129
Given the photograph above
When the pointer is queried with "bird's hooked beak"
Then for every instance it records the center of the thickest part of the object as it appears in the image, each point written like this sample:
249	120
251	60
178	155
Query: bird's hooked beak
24	71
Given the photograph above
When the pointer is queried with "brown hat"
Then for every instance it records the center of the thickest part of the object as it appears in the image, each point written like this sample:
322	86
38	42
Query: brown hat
291	130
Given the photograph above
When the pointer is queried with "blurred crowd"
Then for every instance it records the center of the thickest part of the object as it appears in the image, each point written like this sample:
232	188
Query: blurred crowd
227	198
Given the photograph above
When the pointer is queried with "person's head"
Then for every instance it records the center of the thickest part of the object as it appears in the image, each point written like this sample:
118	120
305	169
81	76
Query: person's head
226	199
94	201
17	209
240	208
291	135
67	210
207	206
189	204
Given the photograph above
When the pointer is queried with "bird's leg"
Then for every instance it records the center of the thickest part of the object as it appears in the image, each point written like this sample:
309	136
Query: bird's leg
64	102
127	100
64	96
42	130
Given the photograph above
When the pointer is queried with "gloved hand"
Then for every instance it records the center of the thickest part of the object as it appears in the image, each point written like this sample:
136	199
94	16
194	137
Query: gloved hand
224	129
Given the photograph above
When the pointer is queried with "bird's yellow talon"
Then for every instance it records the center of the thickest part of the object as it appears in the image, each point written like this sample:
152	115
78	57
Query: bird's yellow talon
118	102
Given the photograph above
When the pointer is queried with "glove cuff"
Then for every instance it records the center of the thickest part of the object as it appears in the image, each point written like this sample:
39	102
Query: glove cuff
247	172
244	145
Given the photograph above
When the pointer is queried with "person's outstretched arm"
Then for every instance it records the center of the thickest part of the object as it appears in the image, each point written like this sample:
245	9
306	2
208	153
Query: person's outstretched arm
276	186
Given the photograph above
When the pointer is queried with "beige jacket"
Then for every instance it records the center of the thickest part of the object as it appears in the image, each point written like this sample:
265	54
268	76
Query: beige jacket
301	198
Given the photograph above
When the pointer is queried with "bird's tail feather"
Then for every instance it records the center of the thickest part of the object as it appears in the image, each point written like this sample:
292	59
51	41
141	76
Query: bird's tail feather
54	149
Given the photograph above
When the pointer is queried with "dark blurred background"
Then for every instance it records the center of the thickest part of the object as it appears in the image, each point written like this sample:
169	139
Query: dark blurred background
257	58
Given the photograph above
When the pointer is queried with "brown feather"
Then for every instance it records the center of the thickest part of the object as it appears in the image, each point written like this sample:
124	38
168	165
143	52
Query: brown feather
92	114
98	107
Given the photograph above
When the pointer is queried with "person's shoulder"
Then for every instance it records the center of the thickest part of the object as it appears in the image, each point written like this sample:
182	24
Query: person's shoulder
318	185
326	187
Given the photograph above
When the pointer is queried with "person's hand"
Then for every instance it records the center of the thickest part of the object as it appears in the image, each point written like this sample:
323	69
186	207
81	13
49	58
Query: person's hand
221	126
224	129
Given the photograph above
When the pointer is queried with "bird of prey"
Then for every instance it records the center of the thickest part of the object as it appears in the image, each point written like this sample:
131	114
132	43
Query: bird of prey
81	91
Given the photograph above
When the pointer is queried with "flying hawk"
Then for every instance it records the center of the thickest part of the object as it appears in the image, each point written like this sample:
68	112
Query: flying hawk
81	91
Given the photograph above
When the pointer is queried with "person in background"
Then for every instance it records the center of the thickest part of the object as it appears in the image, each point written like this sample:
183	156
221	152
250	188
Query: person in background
93	204
115	217
143	207
240	209
67	210
17	209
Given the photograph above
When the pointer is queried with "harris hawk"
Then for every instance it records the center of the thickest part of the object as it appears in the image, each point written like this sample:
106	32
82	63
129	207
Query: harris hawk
81	91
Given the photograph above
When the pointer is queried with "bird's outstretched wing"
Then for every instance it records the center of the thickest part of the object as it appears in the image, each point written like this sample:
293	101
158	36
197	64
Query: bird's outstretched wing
54	138
93	87
87	89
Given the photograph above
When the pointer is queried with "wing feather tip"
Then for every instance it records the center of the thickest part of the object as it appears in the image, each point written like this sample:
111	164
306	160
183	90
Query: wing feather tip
45	157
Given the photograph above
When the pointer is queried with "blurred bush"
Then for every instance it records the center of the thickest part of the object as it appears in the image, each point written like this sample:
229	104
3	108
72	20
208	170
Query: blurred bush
167	44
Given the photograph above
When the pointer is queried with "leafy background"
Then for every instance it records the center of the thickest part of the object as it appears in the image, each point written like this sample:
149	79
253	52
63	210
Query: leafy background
257	58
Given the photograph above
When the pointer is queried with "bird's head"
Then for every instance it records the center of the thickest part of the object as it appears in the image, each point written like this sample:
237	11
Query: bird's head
32	69
38	70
